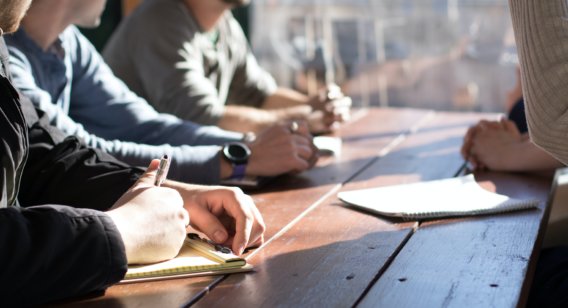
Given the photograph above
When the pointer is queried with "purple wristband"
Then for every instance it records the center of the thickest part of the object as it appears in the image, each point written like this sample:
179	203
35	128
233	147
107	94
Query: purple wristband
239	171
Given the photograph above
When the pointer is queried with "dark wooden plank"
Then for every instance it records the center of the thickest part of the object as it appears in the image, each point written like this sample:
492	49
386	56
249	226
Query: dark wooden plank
284	201
469	262
330	257
166	293
325	260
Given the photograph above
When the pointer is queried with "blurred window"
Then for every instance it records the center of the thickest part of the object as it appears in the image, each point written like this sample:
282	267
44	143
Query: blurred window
437	54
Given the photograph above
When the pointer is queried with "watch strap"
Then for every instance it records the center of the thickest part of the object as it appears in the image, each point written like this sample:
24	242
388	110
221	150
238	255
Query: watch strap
239	171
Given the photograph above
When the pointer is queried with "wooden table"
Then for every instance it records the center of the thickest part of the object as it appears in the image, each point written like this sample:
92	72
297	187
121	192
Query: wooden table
318	253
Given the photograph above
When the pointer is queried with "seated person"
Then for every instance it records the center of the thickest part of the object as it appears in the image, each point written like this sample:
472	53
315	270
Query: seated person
73	217
61	72
191	58
540	30
505	145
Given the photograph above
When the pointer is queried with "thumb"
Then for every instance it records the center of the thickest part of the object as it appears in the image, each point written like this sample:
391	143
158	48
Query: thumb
149	176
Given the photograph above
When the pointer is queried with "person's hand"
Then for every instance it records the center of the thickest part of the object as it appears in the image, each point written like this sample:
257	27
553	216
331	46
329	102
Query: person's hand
224	214
281	149
330	107
467	144
466	149
151	220
491	145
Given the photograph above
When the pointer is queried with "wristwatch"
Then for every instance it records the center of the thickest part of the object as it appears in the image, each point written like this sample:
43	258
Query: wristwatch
237	153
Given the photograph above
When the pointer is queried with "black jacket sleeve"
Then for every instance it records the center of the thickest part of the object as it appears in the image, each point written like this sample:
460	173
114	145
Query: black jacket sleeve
51	252
55	252
63	170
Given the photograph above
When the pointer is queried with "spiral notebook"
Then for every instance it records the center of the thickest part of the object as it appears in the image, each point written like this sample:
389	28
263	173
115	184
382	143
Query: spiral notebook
197	257
460	196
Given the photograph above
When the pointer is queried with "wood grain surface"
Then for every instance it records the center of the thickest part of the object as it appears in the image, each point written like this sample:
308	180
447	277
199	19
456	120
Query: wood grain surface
320	253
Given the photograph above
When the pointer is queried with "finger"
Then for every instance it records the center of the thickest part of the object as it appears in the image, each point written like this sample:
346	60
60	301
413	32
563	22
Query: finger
341	103
302	140
330	118
258	242
148	177
464	151
305	151
473	130
303	129
482	123
495	125
299	164
467	142
485	125
240	211
469	133
258	228
185	217
466	146
315	156
209	224
474	162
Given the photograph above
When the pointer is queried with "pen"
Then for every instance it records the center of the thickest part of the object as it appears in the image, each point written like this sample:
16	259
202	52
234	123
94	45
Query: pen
162	170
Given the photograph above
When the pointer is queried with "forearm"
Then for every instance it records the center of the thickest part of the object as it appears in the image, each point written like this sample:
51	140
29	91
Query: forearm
283	98
192	164
246	119
62	170
136	121
55	252
541	34
527	157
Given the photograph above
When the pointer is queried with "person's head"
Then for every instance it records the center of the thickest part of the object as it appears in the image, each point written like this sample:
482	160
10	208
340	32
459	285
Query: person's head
12	13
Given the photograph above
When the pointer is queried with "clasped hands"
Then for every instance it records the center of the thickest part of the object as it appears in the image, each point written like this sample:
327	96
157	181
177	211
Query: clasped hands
329	108
491	144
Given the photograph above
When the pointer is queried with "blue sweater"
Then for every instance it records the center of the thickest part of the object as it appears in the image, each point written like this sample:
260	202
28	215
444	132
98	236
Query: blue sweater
82	97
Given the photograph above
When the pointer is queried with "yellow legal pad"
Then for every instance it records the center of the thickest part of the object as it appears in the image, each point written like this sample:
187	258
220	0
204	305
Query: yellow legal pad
197	257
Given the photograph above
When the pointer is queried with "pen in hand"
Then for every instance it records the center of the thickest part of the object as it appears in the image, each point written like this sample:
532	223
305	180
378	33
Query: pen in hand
163	169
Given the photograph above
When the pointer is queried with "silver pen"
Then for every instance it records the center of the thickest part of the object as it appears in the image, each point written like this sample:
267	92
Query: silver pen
163	169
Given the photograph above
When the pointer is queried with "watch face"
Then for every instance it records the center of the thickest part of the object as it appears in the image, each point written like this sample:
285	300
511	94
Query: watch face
236	152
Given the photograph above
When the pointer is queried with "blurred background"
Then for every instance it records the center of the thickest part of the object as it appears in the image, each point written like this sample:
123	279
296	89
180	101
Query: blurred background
436	54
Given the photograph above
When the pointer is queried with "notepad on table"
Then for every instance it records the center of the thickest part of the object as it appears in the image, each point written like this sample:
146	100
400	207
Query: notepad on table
197	257
460	196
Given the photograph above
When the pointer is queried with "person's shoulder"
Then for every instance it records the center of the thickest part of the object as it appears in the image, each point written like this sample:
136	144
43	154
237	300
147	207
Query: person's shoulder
156	15
71	32
72	35
73	41
232	28
21	49
19	40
